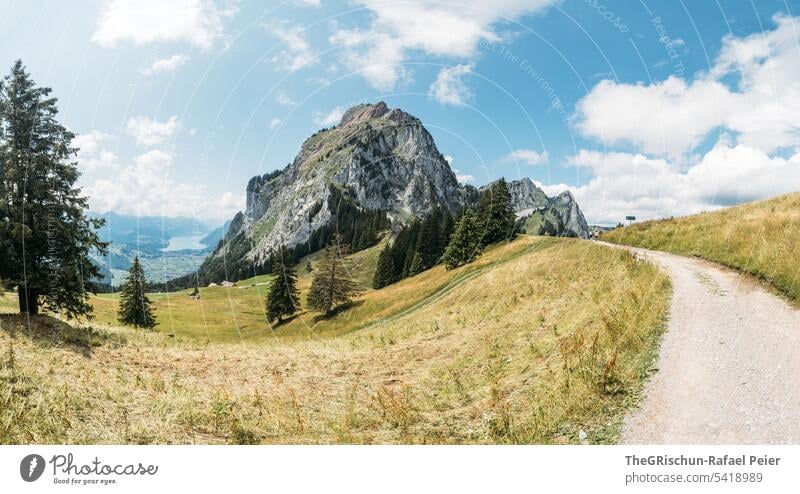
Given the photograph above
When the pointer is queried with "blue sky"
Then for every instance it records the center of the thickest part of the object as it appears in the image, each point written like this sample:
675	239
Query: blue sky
646	108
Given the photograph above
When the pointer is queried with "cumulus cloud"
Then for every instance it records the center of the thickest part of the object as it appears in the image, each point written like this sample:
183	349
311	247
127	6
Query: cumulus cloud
329	119
748	102
91	141
91	155
434	28
296	51
526	157
164	65
670	117
146	187
673	117
450	88
634	184
149	132
198	22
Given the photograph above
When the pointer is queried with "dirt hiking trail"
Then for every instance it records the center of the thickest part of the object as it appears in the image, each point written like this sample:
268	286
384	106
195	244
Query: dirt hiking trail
729	363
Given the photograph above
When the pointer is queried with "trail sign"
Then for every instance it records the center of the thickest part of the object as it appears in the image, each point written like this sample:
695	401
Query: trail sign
630	218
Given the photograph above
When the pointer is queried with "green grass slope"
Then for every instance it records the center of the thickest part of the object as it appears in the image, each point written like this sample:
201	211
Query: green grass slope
760	238
536	341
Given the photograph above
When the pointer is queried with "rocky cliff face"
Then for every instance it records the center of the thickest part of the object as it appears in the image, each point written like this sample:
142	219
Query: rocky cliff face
538	214
384	158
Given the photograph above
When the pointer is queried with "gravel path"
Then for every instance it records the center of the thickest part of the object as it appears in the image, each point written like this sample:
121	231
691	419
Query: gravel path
729	364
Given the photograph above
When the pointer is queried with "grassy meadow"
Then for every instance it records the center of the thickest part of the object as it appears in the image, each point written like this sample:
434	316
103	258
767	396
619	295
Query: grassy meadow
760	238
537	340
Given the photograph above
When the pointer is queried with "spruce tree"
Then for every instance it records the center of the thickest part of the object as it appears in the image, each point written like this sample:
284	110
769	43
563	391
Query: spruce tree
416	265
465	243
333	284
496	214
282	299
384	273
135	307
45	236
428	242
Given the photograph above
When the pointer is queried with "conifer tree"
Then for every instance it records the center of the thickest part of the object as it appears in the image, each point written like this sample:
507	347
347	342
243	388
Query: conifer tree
45	236
135	307
429	242
496	214
416	265
465	243
333	284
282	299
384	273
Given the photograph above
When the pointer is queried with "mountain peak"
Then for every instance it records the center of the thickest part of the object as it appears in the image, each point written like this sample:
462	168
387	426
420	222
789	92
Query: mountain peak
567	195
362	112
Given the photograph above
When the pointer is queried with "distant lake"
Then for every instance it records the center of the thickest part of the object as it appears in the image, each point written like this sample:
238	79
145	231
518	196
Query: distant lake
185	242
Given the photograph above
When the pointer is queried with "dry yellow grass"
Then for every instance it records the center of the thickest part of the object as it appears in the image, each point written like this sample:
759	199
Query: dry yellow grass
760	238
548	338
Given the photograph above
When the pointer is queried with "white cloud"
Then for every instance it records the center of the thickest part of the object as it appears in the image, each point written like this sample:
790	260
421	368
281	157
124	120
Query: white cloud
273	124
308	3
296	50
90	142
674	116
91	157
380	65
526	157
463	178
450	88
669	117
328	119
147	188
149	132
435	28
199	22
164	65
103	160
754	120
728	175
284	100
230	203
448	159
634	184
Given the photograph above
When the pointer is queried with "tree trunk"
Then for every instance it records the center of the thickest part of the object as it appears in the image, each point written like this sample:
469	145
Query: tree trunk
28	300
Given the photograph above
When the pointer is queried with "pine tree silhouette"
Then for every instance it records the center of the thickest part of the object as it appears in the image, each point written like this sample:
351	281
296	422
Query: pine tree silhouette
135	307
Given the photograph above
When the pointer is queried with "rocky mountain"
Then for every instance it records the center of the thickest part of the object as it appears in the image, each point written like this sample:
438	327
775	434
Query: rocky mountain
378	168
376	159
538	214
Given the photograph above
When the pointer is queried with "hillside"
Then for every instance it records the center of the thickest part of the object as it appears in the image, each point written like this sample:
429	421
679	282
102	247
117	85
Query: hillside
759	238
534	342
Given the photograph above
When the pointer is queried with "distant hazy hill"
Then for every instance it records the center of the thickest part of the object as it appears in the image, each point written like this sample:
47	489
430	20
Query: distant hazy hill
213	238
167	247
